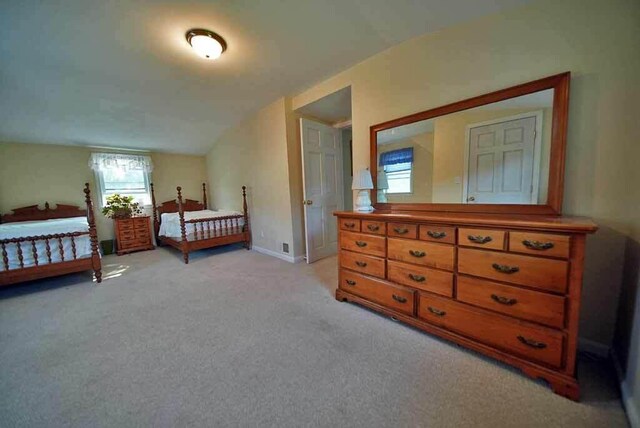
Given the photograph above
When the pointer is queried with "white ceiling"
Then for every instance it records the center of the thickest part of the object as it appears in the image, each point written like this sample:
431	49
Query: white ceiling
120	73
333	108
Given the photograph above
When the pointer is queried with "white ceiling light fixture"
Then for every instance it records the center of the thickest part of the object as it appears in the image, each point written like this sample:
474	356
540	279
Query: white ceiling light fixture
207	44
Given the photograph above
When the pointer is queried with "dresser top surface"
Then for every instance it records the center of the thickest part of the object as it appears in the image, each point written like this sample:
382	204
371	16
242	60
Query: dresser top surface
517	221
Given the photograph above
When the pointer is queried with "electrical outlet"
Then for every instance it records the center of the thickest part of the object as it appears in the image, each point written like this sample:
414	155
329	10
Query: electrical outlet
285	247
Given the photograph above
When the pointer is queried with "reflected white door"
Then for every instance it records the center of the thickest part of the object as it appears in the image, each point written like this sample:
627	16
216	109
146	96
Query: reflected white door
323	189
503	161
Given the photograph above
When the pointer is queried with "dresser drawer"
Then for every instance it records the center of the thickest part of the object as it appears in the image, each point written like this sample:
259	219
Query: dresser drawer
361	243
350	224
543	244
527	340
124	224
126	234
423	278
141	222
402	230
392	296
443	234
530	305
370	265
485	238
421	253
375	227
536	272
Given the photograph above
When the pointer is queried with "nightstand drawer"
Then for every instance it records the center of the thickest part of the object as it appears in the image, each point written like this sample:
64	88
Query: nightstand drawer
350	224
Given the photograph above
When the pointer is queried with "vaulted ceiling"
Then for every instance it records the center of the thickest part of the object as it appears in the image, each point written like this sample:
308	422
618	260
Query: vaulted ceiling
121	74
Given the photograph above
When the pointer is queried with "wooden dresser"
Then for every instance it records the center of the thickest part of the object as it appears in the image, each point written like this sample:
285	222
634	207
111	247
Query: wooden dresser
133	234
507	286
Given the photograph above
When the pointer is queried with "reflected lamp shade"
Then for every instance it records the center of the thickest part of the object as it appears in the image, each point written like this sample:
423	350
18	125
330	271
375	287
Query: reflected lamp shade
382	185
362	181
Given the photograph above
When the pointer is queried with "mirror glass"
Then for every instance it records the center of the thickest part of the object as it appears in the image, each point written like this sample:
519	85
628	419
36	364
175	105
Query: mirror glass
497	153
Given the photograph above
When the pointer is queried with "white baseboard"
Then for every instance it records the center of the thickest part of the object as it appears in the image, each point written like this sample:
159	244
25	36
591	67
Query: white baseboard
630	405
592	347
286	257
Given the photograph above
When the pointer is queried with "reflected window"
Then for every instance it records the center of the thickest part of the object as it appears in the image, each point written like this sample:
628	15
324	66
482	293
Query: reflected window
398	166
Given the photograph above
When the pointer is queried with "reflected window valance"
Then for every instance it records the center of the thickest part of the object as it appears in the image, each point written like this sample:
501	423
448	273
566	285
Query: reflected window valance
108	161
395	157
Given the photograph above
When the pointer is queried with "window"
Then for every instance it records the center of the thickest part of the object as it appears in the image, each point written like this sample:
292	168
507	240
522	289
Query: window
398	165
399	177
123	174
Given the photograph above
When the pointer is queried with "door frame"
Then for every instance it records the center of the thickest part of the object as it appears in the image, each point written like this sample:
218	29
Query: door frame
340	196
537	150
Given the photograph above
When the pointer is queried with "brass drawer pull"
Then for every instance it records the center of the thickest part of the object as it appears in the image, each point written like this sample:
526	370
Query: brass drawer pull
350	282
504	300
361	264
537	245
399	299
436	235
415	253
350	225
436	312
361	244
400	230
373	227
417	278
505	268
532	343
478	239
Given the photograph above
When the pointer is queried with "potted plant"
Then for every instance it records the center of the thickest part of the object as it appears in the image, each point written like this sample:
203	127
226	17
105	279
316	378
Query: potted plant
119	206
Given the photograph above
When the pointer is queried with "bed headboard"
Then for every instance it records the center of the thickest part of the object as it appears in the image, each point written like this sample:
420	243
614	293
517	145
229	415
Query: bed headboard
34	213
172	206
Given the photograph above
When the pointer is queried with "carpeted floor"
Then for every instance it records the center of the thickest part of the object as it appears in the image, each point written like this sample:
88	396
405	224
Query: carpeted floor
237	338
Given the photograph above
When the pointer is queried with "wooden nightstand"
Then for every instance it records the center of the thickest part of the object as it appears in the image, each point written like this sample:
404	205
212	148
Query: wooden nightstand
133	234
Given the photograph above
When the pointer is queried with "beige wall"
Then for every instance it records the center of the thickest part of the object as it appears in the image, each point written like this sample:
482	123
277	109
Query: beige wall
449	151
422	170
598	42
255	153
35	173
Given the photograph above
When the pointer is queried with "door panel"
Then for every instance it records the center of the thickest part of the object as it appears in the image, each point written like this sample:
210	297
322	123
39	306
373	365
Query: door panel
323	187
502	162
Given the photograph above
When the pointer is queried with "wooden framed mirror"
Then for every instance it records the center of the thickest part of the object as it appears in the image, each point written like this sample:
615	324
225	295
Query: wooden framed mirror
502	152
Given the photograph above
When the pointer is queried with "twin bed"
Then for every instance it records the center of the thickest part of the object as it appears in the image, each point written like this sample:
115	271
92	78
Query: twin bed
189	226
39	243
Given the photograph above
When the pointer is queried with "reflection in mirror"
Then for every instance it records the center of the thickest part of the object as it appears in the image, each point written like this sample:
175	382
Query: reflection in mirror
497	153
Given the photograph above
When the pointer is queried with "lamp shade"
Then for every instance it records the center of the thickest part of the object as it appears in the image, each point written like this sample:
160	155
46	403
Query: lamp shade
362	180
383	183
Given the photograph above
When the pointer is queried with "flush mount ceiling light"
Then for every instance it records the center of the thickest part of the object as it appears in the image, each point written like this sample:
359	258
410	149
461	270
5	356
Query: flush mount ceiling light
207	44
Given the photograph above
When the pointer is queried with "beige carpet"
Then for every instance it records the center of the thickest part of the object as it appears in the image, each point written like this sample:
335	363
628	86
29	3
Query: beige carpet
237	338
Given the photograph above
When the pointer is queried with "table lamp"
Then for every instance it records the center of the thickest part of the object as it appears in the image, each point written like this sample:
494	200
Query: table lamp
362	181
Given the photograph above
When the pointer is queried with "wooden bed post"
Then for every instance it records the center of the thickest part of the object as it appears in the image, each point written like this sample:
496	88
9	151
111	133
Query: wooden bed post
247	230
184	244
93	235
156	224
204	195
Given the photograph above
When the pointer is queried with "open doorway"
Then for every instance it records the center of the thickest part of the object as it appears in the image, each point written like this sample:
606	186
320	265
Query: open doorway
325	138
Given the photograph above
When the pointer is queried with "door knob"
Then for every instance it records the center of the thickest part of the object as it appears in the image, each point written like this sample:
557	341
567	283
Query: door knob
309	202
471	198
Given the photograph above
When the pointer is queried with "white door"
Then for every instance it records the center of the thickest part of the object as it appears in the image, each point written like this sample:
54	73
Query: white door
503	161
323	190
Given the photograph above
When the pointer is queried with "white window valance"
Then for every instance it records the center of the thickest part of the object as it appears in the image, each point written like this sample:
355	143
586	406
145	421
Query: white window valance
106	161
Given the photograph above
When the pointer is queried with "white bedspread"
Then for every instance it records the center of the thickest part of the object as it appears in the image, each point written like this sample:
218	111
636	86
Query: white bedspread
45	227
170	222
